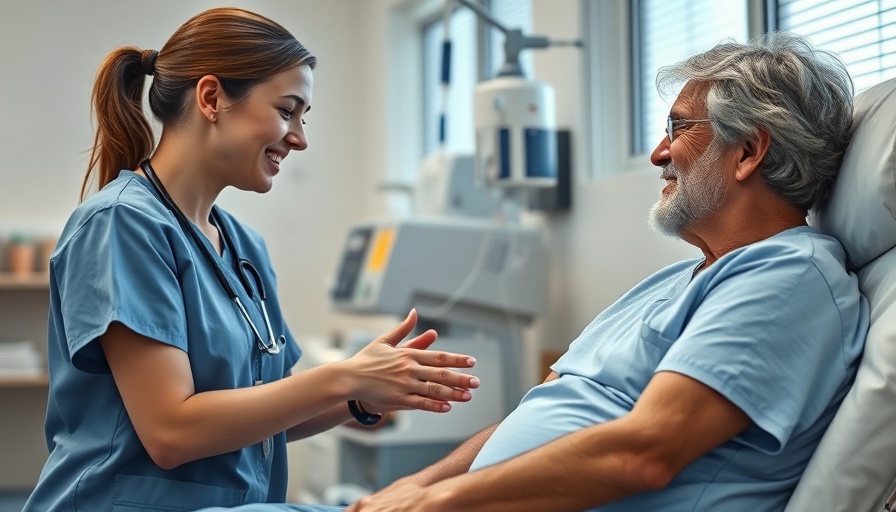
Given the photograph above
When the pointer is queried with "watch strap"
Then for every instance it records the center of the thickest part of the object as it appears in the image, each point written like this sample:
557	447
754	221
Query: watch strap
363	417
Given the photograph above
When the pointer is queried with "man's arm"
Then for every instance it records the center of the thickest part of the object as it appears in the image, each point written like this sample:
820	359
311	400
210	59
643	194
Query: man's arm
676	420
455	463
458	461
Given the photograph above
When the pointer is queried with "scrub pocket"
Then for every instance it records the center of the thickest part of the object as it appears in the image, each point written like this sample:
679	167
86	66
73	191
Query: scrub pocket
628	361
655	339
142	493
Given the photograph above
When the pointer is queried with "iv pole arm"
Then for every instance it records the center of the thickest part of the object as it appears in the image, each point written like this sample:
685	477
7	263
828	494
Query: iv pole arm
514	40
482	13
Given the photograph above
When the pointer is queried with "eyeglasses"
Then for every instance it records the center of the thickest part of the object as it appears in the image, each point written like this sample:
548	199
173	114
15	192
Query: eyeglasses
674	124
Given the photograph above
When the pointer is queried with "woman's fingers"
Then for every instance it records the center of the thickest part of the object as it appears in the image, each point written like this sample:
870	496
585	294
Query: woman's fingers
443	359
411	376
426	404
400	331
423	341
448	378
436	391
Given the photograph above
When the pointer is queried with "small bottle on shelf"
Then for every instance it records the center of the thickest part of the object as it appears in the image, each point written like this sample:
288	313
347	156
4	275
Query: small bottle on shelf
21	255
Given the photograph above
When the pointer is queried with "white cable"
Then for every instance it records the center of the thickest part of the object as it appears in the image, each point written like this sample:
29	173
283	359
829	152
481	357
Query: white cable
475	270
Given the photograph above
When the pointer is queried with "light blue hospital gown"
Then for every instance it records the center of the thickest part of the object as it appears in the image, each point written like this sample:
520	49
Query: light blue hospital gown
123	258
776	327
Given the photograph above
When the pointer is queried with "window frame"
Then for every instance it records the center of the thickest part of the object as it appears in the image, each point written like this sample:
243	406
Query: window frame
609	30
609	94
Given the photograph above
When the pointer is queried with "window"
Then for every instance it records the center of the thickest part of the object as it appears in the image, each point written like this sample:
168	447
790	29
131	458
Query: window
463	75
861	32
473	58
666	32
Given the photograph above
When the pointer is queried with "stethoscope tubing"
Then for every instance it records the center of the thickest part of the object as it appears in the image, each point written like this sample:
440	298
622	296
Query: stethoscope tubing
242	264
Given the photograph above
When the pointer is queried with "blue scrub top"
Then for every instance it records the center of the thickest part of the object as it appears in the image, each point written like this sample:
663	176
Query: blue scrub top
123	257
777	327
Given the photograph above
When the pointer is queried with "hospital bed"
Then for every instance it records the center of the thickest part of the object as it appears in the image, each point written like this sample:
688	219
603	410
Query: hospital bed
854	467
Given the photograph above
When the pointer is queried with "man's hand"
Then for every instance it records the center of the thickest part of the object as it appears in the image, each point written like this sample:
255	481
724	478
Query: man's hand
404	495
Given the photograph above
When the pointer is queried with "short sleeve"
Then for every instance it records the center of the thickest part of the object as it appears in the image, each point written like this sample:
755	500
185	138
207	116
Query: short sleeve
769	337
119	266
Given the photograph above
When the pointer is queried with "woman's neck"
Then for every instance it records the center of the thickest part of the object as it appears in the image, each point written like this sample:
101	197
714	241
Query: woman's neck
191	187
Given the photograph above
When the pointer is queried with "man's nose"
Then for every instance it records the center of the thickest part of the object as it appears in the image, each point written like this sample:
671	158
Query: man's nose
661	154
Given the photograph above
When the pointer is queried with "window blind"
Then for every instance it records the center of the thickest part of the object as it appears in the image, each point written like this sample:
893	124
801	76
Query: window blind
666	32
861	32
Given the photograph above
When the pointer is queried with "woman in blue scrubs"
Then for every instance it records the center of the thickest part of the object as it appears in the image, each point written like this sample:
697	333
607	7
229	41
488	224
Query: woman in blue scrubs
170	384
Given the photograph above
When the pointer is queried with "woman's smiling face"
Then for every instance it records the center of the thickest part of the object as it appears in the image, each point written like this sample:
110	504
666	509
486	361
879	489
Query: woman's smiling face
256	133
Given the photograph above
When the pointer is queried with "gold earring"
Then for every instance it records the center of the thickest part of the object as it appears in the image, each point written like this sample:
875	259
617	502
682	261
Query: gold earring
212	117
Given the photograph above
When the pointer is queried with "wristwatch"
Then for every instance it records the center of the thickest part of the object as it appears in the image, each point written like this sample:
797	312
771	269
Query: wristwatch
363	417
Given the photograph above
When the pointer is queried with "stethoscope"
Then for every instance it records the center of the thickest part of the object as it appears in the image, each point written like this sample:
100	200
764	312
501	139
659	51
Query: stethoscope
243	267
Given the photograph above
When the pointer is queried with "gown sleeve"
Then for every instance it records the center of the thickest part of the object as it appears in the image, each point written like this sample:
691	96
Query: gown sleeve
769	337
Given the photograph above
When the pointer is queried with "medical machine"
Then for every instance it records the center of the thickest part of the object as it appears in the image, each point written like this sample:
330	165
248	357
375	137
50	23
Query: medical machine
515	117
446	185
478	282
466	277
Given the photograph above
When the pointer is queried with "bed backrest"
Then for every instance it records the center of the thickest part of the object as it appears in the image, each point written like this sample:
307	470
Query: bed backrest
854	468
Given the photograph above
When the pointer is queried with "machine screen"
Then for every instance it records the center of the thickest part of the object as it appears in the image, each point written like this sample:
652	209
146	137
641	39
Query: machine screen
352	259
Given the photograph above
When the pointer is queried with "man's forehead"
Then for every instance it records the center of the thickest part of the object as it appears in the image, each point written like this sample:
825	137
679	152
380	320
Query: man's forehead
692	98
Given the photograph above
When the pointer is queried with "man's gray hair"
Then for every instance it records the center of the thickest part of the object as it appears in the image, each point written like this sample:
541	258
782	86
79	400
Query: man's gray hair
801	95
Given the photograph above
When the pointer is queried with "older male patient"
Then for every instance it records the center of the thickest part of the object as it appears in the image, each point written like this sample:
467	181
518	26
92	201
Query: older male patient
708	385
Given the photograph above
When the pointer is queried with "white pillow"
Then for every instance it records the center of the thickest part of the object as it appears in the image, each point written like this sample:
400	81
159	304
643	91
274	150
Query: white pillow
861	212
854	468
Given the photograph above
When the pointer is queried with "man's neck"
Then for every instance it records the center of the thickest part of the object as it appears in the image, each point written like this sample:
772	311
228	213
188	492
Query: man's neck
742	224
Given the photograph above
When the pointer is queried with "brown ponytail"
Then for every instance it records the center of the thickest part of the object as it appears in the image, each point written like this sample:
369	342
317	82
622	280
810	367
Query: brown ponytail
237	46
123	135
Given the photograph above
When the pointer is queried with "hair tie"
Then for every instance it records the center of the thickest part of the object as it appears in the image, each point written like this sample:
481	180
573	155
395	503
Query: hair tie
148	61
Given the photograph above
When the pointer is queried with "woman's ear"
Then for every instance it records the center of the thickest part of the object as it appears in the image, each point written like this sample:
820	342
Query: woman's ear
753	150
209	96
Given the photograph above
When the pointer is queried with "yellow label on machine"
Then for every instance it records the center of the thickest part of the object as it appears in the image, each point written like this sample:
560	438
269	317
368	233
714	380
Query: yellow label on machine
382	248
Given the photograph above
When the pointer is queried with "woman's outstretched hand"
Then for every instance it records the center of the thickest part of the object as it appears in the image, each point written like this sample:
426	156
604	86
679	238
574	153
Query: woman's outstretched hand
386	377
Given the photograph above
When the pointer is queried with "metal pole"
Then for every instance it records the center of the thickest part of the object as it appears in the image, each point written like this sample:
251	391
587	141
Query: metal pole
484	14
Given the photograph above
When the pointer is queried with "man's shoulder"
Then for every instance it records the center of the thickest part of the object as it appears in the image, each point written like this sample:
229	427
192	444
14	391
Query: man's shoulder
795	248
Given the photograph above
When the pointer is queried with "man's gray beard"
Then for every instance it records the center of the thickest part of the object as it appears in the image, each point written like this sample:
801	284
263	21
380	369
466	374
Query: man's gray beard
698	194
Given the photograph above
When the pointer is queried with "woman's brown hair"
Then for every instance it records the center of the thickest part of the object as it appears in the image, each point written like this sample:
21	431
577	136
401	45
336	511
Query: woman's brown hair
239	47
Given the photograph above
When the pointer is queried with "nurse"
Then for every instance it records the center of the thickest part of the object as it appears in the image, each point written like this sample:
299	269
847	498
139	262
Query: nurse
170	385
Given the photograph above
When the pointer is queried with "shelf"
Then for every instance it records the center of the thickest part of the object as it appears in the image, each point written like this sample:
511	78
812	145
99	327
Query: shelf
38	380
32	281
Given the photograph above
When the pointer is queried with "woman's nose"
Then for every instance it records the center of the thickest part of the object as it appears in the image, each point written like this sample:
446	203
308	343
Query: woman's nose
296	138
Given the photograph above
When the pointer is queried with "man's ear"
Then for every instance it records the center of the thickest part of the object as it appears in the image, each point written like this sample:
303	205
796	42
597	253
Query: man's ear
753	150
209	96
